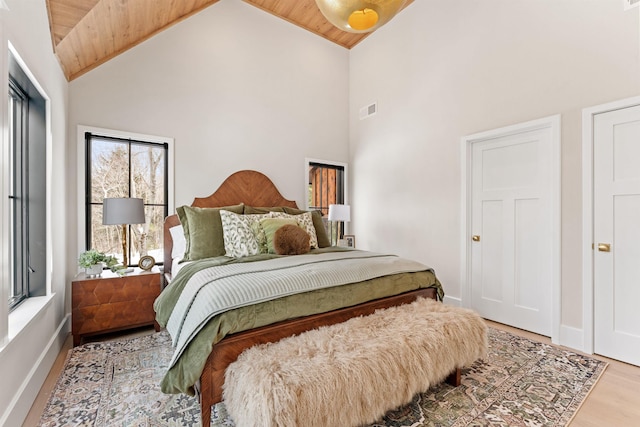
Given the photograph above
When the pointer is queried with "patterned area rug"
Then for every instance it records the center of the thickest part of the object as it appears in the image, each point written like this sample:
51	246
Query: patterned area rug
521	383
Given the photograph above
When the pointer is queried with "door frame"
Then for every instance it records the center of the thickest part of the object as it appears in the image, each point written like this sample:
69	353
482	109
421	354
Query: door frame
588	303
554	124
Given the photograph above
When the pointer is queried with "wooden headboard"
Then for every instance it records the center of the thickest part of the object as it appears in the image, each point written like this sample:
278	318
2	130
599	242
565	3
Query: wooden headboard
249	187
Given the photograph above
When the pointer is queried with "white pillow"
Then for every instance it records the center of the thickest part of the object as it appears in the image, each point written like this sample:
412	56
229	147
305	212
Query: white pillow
239	235
179	242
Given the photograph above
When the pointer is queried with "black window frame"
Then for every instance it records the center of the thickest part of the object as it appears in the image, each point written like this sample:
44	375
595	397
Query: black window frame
27	174
89	203
19	210
340	190
340	185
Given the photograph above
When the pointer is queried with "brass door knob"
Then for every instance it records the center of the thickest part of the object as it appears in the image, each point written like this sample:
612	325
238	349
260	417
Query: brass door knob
475	238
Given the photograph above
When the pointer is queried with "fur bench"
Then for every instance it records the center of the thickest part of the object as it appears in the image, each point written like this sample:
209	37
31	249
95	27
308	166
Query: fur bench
352	373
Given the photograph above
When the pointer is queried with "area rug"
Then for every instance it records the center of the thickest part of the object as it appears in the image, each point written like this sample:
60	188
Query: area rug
520	383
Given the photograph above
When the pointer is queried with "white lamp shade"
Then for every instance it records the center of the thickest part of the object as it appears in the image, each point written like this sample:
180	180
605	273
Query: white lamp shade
340	213
122	210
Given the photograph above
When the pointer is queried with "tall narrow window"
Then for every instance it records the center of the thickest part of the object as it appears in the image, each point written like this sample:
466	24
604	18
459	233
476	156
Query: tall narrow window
27	186
117	167
18	117
326	186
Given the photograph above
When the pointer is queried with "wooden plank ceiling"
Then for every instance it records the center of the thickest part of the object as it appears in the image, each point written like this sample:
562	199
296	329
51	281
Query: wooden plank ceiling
87	33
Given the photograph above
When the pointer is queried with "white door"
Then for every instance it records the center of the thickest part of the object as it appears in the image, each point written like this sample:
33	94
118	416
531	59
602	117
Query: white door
512	250
616	233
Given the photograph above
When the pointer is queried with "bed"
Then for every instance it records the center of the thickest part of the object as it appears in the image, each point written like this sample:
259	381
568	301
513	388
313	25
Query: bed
218	344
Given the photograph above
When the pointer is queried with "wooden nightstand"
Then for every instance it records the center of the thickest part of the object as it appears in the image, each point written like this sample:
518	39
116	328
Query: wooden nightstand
111	303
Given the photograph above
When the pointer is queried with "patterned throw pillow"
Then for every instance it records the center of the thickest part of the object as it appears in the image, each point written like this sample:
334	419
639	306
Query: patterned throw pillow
238	232
305	221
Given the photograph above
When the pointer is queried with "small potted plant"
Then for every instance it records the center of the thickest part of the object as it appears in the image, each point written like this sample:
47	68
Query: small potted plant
94	262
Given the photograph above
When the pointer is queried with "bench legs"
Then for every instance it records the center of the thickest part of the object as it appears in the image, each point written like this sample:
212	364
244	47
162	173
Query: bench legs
454	378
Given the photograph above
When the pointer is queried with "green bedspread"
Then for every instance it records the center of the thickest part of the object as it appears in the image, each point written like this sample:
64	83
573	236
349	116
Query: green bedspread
181	377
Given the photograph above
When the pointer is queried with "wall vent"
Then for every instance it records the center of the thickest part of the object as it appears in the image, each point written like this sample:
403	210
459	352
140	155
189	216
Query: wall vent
628	4
372	109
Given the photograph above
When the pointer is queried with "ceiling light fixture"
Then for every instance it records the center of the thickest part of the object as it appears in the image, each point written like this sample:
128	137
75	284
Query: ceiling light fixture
359	16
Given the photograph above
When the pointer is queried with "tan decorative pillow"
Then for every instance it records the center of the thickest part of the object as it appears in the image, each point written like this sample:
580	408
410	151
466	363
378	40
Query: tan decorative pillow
291	240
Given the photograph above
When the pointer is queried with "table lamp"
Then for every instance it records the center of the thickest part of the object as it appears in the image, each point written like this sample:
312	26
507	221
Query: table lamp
339	214
123	211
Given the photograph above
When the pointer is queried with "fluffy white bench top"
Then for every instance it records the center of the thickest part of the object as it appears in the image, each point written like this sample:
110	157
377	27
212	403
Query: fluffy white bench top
352	373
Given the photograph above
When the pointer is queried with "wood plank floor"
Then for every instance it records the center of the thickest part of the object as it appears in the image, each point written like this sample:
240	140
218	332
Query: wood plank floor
614	401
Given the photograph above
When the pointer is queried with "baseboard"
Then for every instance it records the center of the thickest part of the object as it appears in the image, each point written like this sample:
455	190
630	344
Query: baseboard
26	394
454	301
571	337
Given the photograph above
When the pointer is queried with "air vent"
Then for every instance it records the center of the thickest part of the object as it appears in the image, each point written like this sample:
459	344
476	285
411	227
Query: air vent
628	4
371	109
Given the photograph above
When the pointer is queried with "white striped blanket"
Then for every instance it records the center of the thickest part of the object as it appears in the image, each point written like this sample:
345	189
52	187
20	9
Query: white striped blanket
214	290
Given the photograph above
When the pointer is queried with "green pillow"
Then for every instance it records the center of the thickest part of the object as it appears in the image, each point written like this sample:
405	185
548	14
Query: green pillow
203	231
318	224
254	210
270	225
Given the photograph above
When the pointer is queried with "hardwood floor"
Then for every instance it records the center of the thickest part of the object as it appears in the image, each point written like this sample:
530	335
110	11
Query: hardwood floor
614	401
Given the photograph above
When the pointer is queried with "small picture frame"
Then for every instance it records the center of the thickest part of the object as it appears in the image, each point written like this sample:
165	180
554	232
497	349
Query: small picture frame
350	241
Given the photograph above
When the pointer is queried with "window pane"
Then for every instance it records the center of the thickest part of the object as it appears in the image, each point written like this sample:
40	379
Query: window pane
326	186
109	169
147	173
18	104
104	238
26	184
151	242
127	168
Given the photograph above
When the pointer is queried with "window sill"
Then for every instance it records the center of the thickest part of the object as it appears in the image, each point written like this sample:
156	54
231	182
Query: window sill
26	312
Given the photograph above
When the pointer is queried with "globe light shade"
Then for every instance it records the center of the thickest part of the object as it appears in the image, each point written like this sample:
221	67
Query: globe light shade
359	16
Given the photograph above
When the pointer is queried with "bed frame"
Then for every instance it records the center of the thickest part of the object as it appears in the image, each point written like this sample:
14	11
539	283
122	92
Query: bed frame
255	189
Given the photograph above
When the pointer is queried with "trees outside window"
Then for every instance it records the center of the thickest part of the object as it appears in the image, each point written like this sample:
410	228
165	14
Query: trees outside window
118	167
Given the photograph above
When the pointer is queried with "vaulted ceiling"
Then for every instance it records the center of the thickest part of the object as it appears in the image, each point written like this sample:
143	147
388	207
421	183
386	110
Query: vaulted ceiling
87	33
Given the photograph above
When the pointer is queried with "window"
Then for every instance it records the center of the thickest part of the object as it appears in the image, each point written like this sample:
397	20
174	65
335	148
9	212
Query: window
326	186
27	186
121	167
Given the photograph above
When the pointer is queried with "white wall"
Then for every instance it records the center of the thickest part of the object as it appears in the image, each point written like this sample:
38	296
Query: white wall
236	87
28	351
443	69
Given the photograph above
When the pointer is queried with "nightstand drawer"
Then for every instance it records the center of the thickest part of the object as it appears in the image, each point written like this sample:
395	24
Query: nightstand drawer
112	303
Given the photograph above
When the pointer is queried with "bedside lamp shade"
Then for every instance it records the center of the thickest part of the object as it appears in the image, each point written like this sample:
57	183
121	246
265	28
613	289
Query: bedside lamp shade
123	211
339	214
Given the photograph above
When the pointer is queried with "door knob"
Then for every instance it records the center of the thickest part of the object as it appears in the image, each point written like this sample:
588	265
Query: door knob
604	247
475	238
